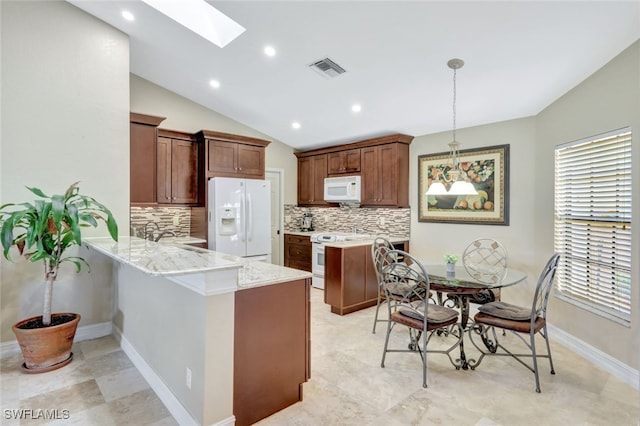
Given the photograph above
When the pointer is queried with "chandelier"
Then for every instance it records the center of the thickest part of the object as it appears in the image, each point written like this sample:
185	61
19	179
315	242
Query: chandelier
454	176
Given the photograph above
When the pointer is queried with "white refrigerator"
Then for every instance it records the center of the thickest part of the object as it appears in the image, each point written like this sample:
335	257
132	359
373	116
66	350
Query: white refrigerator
240	217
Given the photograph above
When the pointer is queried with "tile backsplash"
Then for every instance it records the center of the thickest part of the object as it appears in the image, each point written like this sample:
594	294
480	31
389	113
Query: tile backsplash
165	217
366	220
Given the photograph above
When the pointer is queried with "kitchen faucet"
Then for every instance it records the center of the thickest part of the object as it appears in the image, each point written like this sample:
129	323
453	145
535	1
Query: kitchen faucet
165	232
149	234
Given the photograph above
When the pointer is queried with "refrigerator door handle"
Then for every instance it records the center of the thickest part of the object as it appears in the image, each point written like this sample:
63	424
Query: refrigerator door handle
249	217
243	213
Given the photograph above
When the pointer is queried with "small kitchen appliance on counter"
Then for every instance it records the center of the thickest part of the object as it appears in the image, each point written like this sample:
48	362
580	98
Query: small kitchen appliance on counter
307	222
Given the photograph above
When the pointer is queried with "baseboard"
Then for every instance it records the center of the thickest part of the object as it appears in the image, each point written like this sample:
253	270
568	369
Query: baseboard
600	359
177	410
86	332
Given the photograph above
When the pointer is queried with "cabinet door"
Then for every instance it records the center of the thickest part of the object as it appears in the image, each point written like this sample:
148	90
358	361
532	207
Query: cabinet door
311	173
163	170
184	172
388	170
222	157
347	161
250	161
142	163
370	175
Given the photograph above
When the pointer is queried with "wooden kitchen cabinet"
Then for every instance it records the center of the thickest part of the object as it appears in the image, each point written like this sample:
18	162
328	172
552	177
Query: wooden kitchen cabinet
312	171
385	175
142	158
272	348
382	163
350	281
297	252
177	168
347	161
236	156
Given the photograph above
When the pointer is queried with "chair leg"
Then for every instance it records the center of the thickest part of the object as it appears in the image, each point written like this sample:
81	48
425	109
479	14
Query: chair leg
375	320
423	354
546	339
535	359
386	344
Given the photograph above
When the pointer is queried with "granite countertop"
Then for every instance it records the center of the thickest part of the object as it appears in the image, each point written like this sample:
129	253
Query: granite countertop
164	258
302	233
172	256
257	274
365	241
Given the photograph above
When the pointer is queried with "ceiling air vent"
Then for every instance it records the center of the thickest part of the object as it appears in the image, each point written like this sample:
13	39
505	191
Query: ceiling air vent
327	68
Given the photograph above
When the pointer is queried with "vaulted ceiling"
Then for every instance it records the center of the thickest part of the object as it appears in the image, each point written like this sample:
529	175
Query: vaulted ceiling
519	57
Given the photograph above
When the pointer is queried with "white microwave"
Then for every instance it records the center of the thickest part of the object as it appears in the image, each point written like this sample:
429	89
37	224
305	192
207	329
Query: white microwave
342	189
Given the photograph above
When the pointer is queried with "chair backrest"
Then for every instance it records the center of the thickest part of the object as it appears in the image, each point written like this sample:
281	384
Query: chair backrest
485	260
405	279
380	247
543	287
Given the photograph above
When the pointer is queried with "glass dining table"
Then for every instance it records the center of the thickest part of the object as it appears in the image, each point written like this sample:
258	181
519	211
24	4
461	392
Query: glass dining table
458	288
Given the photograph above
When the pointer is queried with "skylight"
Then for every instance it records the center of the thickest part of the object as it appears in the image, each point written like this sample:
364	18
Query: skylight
201	18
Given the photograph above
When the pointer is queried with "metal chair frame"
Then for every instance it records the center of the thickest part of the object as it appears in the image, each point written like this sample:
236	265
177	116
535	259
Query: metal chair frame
536	324
406	282
486	260
380	247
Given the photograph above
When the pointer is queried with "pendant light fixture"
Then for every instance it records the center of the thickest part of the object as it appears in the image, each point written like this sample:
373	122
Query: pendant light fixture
455	176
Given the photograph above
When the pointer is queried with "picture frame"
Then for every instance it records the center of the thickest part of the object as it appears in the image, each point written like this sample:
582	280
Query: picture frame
486	168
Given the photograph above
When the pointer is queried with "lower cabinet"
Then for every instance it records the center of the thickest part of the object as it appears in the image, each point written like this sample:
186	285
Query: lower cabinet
297	252
271	349
350	281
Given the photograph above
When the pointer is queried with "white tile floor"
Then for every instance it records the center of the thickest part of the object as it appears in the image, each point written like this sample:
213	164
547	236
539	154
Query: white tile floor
347	386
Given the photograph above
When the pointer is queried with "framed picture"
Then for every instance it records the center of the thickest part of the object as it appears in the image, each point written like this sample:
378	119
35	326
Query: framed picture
486	168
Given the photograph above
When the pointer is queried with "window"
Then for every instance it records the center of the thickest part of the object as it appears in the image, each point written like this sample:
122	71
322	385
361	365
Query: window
593	222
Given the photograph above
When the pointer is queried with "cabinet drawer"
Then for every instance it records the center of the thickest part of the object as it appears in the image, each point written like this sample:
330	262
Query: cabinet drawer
303	266
299	252
298	239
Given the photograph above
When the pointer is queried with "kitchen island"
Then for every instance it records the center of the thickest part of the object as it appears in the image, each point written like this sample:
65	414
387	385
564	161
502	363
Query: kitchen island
350	281
220	339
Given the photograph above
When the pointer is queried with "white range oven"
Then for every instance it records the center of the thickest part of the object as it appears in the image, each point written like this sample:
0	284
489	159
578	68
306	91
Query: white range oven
318	241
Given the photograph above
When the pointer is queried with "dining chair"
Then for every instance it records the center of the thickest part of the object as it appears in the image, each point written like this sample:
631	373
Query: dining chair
520	321
380	247
486	260
406	281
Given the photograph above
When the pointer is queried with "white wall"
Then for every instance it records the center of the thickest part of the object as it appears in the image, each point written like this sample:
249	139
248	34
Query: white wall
185	115
65	104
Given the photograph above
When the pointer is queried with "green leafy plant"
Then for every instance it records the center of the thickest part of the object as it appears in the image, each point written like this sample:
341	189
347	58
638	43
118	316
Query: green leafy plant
44	230
450	258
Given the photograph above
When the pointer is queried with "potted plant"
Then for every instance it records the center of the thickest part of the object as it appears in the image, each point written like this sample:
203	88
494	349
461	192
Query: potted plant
450	260
44	231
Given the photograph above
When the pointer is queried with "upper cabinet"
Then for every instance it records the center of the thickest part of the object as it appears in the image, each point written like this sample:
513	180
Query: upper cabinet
311	173
230	155
142	166
382	163
347	161
178	165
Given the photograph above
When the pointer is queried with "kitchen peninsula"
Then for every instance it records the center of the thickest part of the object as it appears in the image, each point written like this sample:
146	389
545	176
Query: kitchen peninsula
220	339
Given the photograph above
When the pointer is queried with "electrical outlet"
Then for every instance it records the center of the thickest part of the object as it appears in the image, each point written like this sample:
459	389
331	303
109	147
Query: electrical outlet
287	219
382	221
176	221
188	377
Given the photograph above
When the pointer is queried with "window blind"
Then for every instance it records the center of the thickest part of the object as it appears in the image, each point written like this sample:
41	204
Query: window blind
593	221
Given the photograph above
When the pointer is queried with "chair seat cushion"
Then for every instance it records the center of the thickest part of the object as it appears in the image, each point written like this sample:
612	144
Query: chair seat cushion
436	314
506	311
519	326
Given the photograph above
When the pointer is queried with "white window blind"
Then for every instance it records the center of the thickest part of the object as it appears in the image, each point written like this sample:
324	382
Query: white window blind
593	222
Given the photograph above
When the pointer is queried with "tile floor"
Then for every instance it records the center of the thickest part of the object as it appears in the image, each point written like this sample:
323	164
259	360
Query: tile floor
347	387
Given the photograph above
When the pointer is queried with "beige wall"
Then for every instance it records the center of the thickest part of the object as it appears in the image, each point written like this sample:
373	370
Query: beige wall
185	115
65	103
608	100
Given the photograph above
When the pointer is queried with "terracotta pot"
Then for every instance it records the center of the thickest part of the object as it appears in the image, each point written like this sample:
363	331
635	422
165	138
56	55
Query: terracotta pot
46	348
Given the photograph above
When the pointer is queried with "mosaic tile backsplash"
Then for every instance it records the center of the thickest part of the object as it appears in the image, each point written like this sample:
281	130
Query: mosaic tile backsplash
366	220
176	219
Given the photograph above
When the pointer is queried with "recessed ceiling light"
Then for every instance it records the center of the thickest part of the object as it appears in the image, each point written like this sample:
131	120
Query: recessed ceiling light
356	108
269	51
295	125
201	18
214	83
128	15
